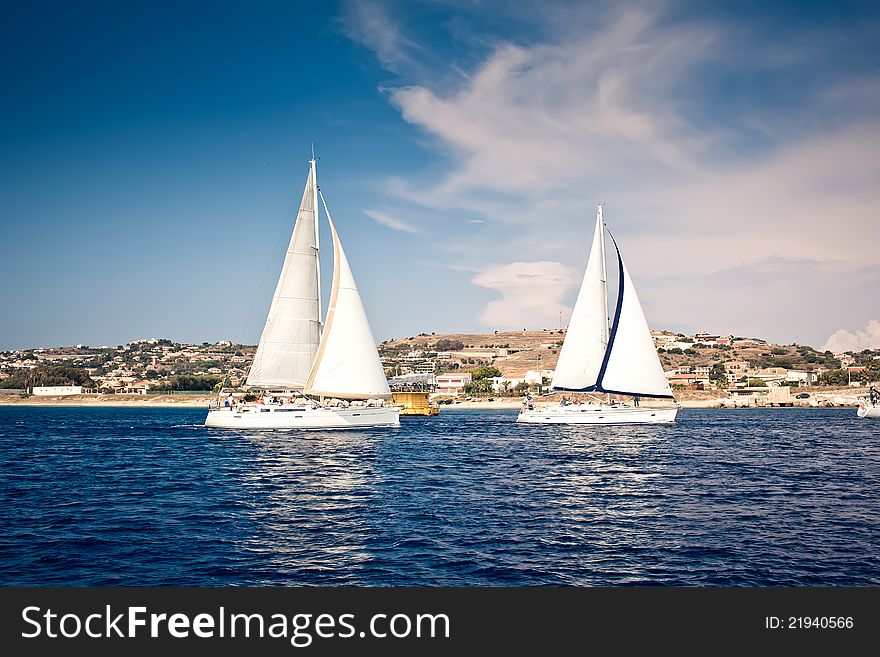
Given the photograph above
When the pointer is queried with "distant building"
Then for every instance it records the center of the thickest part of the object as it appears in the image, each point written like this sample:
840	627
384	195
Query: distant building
688	380
483	352
772	375
736	368
805	378
133	388
50	391
453	383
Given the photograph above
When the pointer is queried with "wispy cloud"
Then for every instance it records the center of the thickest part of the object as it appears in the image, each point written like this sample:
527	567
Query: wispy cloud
370	24
388	221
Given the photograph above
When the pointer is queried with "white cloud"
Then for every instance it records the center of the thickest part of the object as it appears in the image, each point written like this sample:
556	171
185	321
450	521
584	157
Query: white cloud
612	110
531	294
388	221
531	119
843	340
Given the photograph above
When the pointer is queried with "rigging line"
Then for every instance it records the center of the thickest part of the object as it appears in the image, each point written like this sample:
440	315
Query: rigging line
259	291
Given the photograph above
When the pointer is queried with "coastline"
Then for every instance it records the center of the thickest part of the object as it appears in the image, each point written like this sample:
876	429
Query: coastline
136	401
827	400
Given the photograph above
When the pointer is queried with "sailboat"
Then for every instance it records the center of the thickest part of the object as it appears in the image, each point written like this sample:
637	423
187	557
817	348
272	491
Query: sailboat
598	357
322	375
869	406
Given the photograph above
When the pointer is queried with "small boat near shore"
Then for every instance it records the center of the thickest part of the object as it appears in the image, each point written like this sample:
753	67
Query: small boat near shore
317	375
617	359
870	406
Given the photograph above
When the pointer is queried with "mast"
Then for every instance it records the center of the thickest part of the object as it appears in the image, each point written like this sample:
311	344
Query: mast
606	330
314	168
584	347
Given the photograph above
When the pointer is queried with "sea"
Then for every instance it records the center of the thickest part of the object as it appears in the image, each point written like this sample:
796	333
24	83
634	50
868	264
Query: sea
724	497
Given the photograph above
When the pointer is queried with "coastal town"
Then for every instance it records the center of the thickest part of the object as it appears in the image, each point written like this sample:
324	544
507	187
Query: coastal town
502	364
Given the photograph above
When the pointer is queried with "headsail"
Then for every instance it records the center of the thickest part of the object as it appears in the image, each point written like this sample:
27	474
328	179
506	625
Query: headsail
631	365
347	363
292	332
583	349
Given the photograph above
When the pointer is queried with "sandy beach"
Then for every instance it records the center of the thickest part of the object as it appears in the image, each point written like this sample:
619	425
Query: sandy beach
181	401
847	397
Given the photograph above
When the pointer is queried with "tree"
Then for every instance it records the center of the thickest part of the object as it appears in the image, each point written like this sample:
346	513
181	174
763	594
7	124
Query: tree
189	382
478	373
834	378
51	375
717	372
478	386
448	345
757	383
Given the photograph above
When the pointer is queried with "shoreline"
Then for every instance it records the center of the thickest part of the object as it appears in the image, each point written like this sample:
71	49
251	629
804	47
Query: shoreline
134	401
201	401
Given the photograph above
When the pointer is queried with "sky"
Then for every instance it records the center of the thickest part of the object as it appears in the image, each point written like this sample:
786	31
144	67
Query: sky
152	155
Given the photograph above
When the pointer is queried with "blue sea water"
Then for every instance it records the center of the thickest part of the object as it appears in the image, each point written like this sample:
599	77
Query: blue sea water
135	496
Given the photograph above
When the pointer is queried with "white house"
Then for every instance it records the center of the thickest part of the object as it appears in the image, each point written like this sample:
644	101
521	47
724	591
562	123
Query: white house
453	383
50	391
805	378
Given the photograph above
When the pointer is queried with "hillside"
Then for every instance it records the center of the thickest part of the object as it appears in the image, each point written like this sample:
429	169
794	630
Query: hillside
518	351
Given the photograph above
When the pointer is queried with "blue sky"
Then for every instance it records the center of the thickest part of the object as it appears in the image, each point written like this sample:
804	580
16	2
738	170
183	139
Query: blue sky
152	152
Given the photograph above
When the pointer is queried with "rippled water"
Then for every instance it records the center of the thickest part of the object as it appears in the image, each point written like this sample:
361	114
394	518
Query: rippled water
130	496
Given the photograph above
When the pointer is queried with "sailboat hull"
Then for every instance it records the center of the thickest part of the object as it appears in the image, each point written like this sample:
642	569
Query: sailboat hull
868	411
292	417
597	414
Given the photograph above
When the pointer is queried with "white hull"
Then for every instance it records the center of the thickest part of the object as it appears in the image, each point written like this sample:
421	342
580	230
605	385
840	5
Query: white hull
297	417
868	411
597	414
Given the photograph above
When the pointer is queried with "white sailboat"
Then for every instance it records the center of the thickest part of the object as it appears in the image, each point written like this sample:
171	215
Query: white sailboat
619	359
328	374
869	406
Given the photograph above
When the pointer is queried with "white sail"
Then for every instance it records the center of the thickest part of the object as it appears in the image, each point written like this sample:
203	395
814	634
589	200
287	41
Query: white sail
290	338
584	346
633	366
347	364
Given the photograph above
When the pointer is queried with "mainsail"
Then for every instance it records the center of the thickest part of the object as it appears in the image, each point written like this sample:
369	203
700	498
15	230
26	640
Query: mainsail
347	364
290	338
623	361
584	346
